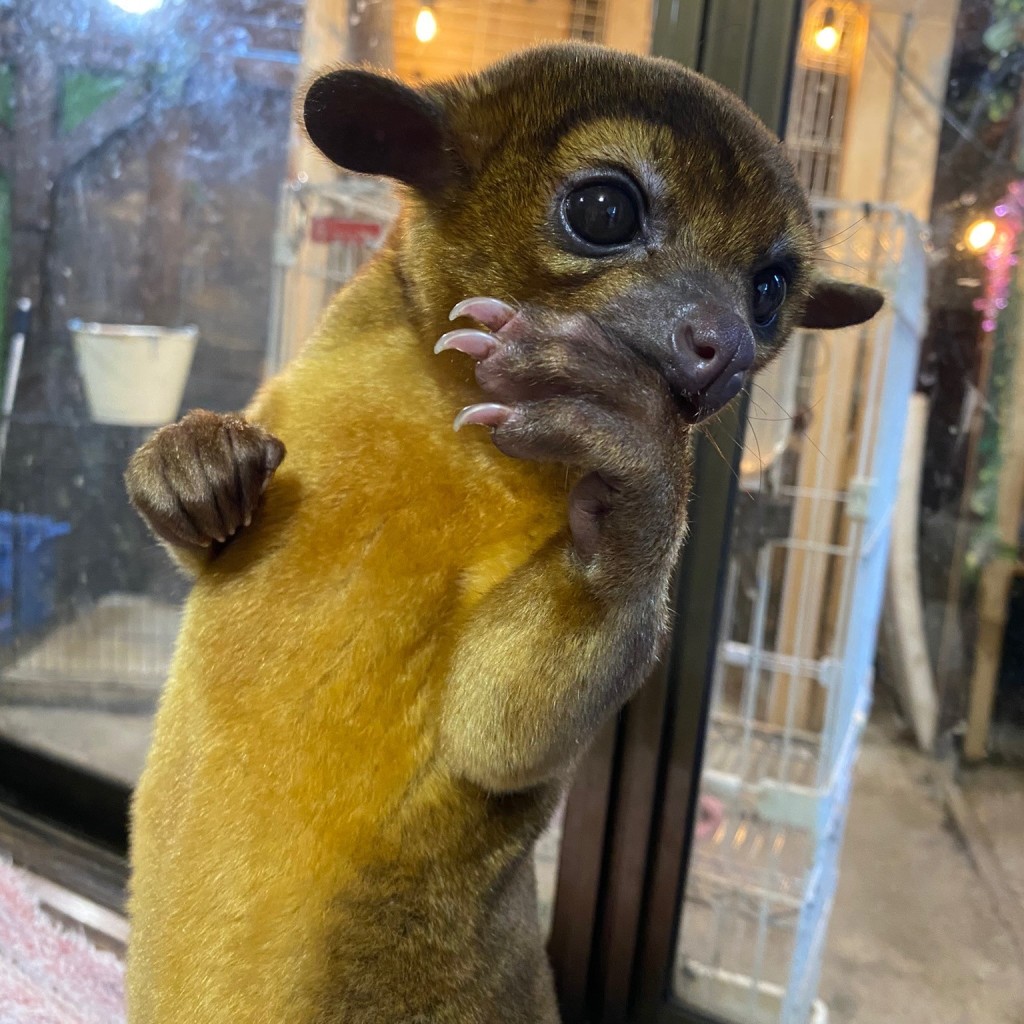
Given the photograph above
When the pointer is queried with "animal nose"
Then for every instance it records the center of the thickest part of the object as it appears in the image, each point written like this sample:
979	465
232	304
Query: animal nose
712	349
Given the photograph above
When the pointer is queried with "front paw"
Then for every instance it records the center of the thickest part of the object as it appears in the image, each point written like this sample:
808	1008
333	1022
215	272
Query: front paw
562	389
530	354
558	386
198	481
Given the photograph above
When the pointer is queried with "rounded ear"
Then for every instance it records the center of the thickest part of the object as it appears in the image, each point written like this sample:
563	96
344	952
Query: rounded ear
840	304
372	124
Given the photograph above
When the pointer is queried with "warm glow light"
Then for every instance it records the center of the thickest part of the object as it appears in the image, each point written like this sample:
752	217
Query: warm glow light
426	25
138	6
827	38
980	234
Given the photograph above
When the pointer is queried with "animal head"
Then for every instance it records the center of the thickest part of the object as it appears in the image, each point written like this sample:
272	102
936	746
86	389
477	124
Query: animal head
588	180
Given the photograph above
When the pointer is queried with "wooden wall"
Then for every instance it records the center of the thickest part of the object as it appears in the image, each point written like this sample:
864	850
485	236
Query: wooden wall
473	33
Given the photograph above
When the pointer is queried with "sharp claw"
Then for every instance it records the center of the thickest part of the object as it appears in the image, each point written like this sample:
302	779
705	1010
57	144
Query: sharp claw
492	312
248	520
487	414
275	454
478	344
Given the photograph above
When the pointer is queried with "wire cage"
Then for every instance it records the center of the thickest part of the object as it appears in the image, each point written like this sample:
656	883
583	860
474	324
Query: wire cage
792	680
114	654
324	234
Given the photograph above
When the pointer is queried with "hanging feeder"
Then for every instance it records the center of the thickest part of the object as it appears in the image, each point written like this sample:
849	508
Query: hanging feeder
133	375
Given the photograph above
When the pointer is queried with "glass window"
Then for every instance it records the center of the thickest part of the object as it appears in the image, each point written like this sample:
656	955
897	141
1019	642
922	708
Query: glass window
881	484
168	239
173	240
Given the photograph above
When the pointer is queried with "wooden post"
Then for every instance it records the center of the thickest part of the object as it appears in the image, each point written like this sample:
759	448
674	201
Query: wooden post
997	575
904	616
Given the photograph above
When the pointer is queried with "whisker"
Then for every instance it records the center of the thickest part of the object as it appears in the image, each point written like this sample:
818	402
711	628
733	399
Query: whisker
802	432
760	460
721	454
837	263
849	228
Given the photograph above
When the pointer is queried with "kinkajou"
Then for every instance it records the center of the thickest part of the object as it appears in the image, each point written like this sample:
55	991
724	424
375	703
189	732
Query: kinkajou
401	638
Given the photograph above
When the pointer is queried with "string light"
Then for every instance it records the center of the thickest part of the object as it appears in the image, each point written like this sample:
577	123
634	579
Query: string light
1000	254
138	6
827	37
426	24
980	234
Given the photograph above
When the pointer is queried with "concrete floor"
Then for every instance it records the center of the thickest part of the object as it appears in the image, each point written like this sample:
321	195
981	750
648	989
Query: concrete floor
109	743
915	937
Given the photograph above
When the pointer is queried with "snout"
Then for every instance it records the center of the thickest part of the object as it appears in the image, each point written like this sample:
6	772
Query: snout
712	352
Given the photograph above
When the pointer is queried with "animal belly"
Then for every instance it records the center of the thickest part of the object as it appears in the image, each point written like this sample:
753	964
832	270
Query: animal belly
302	707
264	790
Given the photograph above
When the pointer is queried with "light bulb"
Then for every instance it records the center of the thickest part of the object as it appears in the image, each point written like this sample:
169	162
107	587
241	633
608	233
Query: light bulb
426	25
138	6
827	38
979	235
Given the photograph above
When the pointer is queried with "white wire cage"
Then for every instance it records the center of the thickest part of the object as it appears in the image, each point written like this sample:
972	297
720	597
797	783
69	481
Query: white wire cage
792	680
324	234
113	654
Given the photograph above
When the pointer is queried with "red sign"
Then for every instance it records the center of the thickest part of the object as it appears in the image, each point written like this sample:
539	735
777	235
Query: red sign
337	229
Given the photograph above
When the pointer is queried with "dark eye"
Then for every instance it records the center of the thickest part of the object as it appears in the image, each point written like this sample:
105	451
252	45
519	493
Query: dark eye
602	214
769	295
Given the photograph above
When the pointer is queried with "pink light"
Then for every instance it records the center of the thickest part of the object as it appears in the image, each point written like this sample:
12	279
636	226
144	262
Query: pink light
1001	256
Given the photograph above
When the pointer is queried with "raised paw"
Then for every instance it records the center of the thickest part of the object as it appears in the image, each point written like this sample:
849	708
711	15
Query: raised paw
561	367
198	481
561	388
529	355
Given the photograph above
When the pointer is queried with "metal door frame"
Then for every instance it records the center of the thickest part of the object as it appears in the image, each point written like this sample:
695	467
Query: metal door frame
629	819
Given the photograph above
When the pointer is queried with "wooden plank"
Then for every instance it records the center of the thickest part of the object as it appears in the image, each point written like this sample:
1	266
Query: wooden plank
823	468
104	928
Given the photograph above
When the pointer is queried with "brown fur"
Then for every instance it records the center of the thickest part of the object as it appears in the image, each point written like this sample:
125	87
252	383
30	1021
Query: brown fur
383	681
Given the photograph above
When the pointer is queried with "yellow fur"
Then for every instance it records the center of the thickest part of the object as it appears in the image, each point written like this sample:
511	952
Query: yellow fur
382	682
278	754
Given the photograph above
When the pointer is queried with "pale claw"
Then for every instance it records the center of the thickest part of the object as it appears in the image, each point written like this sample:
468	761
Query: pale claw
492	313
478	344
486	414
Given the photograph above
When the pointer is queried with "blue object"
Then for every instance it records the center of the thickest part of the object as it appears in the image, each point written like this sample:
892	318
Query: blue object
6	576
28	572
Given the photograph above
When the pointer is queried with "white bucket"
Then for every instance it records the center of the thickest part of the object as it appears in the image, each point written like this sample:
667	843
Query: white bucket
133	376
